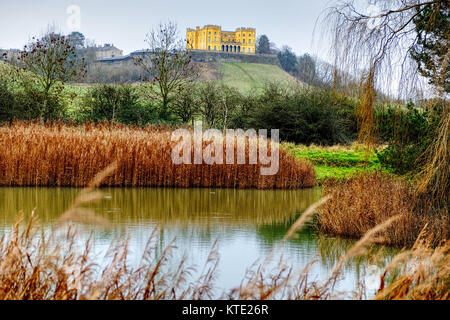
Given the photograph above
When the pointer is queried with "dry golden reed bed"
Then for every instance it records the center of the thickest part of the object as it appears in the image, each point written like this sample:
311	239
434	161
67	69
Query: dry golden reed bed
62	155
360	203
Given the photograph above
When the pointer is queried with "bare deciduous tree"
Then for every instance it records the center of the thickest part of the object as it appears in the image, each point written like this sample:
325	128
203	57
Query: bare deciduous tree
167	63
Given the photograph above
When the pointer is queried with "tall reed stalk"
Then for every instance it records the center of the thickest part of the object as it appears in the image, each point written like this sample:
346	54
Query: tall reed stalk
361	203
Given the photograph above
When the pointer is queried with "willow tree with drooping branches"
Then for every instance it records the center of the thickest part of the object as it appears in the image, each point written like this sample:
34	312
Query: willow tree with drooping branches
397	45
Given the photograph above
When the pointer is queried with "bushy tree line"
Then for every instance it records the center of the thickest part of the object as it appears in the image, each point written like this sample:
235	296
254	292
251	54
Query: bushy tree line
302	115
112	103
25	101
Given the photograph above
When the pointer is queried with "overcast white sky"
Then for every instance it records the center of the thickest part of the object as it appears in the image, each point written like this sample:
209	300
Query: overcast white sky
125	23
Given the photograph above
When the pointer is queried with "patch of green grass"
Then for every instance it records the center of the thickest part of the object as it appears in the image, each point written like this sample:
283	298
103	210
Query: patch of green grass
339	173
337	162
336	158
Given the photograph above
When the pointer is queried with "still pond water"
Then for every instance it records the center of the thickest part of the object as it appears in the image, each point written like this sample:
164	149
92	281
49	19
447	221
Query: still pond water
245	223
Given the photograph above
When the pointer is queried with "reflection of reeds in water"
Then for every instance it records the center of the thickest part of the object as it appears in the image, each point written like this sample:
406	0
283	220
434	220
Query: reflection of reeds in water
419	273
37	266
60	155
182	206
33	267
36	269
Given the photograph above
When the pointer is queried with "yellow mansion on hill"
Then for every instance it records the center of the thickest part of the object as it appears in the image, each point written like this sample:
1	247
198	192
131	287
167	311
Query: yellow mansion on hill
212	38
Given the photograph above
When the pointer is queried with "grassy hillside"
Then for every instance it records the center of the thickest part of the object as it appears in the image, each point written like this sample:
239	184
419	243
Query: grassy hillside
251	76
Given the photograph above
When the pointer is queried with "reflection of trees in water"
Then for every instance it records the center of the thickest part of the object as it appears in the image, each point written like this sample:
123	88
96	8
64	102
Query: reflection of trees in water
333	248
330	249
198	216
271	234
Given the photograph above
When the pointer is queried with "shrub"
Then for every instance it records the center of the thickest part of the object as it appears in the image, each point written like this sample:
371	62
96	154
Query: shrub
184	104
8	104
408	132
25	99
116	104
208	103
219	105
303	116
26	103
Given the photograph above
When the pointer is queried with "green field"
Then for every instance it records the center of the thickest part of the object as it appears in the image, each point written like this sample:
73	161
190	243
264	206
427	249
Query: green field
252	76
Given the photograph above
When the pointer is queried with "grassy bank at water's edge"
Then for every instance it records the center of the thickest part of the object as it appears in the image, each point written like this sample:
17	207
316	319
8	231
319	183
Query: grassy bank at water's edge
336	162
